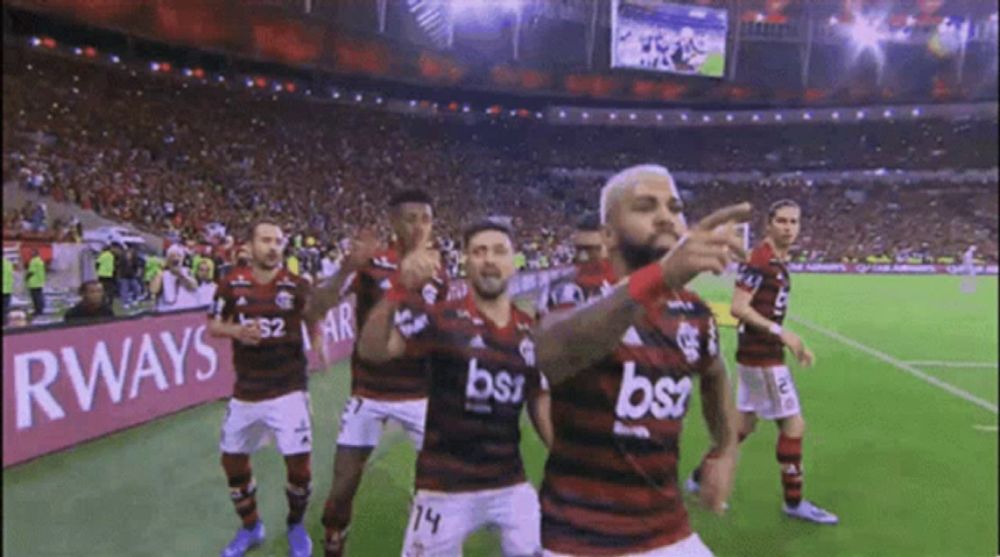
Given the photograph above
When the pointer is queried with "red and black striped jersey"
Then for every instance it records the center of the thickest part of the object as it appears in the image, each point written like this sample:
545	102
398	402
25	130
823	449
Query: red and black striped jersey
404	378
589	281
766	277
610	483
277	365
481	376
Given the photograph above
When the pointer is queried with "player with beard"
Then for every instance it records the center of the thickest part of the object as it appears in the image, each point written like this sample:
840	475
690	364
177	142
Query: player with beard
622	370
261	309
390	390
482	373
766	387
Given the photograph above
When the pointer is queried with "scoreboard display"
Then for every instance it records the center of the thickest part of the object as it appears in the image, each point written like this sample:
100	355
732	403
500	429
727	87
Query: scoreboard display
671	38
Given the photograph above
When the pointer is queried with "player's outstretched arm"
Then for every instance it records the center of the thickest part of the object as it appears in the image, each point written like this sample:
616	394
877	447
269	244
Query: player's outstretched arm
379	341
570	341
539	409
329	294
721	417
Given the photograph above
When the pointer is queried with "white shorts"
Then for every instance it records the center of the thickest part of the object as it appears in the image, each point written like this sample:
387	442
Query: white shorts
691	546
363	420
249	426
768	392
440	522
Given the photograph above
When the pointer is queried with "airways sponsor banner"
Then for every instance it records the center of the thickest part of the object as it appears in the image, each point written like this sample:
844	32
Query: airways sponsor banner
64	386
889	268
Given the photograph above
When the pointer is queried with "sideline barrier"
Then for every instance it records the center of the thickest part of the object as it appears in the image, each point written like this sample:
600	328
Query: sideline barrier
64	385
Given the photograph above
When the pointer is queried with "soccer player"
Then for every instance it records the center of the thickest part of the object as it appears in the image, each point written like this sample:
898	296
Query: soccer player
592	277
261	309
766	387
622	370
394	390
969	268
482	373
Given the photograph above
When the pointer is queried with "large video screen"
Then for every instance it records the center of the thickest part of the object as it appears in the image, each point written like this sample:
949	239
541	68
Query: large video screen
673	38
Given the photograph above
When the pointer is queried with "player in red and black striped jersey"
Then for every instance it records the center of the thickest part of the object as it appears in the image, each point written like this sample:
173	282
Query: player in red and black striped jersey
482	373
592	277
394	389
260	308
623	369
766	388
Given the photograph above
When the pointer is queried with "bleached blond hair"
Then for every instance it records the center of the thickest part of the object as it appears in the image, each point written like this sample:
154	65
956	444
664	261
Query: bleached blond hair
616	185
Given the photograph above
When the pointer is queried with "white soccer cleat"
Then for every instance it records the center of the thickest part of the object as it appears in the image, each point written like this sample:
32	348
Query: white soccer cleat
806	510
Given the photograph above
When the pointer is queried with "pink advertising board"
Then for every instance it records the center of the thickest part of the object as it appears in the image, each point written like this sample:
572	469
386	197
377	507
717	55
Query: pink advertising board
63	386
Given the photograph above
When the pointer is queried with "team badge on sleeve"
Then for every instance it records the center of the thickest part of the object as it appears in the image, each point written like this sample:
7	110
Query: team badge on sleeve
527	349
284	300
429	293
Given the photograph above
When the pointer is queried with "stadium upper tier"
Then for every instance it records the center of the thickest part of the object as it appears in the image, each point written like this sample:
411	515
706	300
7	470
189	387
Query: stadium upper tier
172	156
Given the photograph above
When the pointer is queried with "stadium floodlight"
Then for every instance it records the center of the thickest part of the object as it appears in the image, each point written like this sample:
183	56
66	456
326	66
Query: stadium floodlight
684	117
248	82
35	41
586	115
220	78
631	116
860	114
309	92
115	59
335	94
706	118
538	115
866	34
358	97
807	116
414	103
755	117
613	116
187	72
835	115
778	117
562	113
915	112
659	117
465	108
887	113
78	51
513	113
729	117
378	100
484	9
155	66
277	87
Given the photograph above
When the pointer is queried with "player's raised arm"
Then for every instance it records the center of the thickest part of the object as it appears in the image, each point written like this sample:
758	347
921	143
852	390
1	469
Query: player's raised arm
570	341
380	339
332	291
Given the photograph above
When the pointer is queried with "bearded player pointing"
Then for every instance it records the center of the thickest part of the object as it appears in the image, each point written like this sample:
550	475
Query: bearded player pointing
622	369
766	388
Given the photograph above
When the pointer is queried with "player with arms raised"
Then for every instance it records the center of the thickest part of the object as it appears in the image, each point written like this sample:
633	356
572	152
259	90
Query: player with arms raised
260	308
622	370
390	390
766	387
482	366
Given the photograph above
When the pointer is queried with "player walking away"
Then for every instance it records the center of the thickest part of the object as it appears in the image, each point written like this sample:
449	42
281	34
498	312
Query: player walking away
261	309
622	370
766	387
394	390
482	373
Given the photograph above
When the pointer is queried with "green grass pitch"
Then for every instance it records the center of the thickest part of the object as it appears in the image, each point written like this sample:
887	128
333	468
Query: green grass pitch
901	461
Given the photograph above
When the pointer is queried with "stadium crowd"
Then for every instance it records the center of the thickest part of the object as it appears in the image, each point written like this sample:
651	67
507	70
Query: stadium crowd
196	163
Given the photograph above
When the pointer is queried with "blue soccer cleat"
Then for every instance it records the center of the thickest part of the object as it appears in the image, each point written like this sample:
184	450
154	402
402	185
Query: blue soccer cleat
299	544
245	540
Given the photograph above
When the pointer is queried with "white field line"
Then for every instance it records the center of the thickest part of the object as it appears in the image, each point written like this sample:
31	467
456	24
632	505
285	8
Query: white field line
934	363
985	427
908	368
